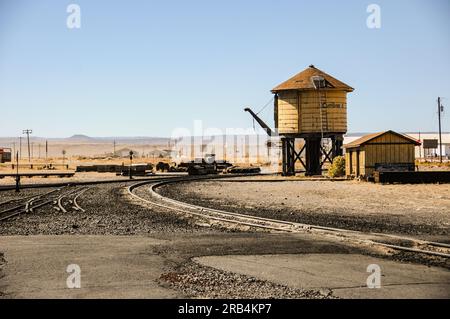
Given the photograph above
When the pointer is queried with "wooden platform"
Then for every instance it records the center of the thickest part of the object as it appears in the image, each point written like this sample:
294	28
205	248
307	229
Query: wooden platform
412	177
40	166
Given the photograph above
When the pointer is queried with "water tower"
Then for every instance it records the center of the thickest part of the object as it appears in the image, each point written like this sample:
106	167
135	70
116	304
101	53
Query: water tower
311	105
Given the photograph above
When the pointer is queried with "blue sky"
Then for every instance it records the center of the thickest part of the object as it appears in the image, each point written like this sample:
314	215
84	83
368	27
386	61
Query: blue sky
144	68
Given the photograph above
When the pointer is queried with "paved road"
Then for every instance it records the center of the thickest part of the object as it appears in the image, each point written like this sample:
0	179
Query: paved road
345	274
111	267
129	266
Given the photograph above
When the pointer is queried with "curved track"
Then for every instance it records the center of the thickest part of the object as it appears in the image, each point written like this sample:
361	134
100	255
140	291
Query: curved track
67	201
28	204
58	197
380	239
76	206
64	197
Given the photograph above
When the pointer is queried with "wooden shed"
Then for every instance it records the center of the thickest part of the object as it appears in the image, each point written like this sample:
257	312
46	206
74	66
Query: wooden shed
384	151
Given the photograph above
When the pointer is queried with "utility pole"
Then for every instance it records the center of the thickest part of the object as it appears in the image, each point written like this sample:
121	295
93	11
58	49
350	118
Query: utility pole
14	150
420	148
20	147
17	173
440	110
131	164
114	153
64	155
46	152
28	132
39	153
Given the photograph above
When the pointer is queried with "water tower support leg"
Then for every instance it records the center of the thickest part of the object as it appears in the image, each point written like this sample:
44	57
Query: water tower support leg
313	154
337	143
288	152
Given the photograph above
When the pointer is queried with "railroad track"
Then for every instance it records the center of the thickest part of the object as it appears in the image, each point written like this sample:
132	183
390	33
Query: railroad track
68	200
15	207
58	197
76	206
85	183
16	200
379	239
63	198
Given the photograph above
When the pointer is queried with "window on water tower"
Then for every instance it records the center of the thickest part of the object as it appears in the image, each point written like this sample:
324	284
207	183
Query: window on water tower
322	84
319	82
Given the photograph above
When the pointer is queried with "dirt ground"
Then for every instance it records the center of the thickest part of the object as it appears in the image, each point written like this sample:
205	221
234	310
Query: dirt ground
422	209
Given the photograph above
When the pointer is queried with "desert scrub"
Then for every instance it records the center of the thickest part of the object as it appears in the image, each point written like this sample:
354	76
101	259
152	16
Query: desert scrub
337	169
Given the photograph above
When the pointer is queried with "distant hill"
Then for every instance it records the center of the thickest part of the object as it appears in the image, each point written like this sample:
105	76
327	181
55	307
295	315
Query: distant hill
80	137
84	139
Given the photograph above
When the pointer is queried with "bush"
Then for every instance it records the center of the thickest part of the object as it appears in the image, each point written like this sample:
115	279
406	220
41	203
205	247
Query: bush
337	169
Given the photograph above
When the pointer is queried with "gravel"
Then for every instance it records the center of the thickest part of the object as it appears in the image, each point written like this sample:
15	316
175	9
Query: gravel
402	209
26	192
78	177
198	281
2	263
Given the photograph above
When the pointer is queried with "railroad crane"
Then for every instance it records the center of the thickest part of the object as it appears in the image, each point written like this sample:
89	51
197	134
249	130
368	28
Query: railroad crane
263	124
311	105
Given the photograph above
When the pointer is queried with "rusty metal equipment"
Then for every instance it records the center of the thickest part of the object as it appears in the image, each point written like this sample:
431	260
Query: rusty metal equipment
205	166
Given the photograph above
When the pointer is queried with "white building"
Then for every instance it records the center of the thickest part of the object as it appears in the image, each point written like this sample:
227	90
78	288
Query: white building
427	153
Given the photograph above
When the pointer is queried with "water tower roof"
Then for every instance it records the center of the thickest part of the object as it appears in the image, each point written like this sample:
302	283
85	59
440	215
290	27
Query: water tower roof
303	81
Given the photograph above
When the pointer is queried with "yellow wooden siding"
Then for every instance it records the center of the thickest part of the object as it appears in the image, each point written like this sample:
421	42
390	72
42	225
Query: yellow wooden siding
347	163
389	148
287	113
362	163
299	112
331	119
354	163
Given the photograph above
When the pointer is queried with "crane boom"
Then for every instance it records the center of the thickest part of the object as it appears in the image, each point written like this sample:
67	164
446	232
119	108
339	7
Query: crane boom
268	130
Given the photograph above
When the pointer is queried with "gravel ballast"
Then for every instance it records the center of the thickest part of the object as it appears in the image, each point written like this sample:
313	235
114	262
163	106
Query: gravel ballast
197	281
109	210
404	209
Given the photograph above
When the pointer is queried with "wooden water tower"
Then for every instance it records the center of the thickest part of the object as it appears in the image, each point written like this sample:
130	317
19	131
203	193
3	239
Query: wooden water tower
311	105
